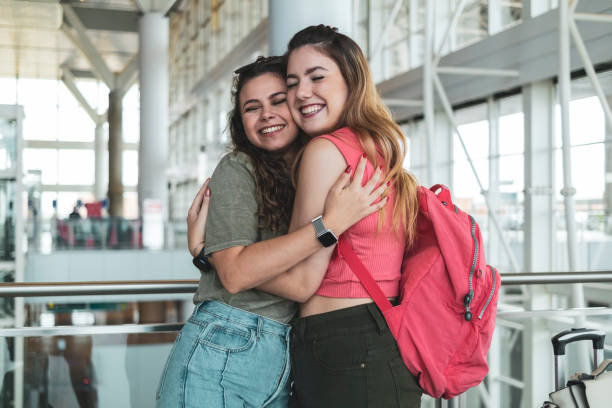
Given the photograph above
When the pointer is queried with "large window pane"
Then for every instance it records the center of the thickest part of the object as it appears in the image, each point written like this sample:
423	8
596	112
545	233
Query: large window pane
9	91
75	125
39	98
587	123
44	160
131	115
130	168
77	166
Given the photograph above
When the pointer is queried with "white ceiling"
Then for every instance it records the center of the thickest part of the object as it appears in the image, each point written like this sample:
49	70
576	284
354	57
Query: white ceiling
33	46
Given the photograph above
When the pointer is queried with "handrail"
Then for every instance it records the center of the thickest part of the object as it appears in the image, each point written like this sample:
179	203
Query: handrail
36	331
32	289
535	278
91	330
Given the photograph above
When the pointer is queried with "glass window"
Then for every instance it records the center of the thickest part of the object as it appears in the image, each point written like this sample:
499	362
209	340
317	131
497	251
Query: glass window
131	115
129	174
587	122
44	160
130	204
39	98
46	205
75	125
77	166
9	91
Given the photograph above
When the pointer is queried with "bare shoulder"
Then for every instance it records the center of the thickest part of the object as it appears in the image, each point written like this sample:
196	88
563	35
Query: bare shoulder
322	156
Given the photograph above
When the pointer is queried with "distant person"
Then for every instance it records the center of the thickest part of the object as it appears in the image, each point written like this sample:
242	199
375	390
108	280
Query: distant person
74	215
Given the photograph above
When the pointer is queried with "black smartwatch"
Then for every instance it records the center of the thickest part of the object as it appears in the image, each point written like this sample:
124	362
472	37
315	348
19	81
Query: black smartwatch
324	235
201	261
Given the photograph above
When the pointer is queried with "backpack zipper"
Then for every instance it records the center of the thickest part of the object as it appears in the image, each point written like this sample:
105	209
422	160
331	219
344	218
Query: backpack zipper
490	293
468	298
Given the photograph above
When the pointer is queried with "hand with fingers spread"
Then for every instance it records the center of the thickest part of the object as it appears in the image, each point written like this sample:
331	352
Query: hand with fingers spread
349	200
196	219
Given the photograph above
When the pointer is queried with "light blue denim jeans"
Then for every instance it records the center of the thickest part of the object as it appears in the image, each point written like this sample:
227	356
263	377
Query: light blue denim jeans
225	357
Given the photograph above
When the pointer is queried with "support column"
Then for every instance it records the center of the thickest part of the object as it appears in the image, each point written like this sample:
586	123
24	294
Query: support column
414	40
494	16
443	157
568	190
115	160
493	242
493	248
288	17
608	177
153	147
538	106
428	90
101	174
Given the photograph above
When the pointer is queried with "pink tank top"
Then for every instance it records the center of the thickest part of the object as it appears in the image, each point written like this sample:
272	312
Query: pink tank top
381	251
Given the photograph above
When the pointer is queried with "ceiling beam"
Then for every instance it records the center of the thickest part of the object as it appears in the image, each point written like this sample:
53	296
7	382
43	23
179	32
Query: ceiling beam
78	35
70	83
106	19
126	78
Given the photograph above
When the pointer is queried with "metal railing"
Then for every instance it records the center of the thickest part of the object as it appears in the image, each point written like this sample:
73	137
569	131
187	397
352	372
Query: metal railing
34	289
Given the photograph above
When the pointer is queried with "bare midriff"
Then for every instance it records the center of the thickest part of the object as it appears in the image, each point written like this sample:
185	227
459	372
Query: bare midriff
323	304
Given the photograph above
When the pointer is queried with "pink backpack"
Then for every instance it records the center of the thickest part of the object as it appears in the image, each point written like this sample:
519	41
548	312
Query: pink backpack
448	298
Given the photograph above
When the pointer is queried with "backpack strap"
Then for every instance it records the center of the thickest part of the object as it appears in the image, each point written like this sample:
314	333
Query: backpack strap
345	250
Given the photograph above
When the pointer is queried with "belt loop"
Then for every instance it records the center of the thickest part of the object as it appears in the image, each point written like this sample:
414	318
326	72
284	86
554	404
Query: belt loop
378	317
259	326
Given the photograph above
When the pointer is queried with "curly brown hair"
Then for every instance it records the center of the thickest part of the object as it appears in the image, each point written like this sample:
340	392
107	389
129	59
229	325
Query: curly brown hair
274	190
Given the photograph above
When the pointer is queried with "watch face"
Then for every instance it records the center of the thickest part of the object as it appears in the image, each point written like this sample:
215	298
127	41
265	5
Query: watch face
327	239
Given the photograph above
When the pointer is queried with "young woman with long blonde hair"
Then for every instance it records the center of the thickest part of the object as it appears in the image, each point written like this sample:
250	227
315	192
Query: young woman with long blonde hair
343	354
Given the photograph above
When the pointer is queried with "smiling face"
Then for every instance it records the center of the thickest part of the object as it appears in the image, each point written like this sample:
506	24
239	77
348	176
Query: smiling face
265	115
316	91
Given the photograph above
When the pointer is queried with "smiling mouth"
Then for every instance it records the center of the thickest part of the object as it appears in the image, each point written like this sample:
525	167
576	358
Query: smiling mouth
271	129
311	110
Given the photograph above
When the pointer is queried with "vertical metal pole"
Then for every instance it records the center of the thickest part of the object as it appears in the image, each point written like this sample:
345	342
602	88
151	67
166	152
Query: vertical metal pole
568	190
18	375
101	185
608	169
539	234
413	43
495	17
428	89
493	188
493	253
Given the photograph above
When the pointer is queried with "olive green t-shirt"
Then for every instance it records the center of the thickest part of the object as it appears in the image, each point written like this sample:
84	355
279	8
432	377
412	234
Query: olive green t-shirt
233	221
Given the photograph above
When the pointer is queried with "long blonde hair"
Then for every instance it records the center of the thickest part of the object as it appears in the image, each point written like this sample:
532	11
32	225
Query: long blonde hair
369	118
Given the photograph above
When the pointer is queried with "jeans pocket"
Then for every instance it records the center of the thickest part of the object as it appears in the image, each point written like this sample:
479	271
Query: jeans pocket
340	353
160	386
407	389
228	337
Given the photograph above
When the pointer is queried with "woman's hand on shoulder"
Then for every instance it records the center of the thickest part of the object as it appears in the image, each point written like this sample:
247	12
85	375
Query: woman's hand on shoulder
349	200
196	220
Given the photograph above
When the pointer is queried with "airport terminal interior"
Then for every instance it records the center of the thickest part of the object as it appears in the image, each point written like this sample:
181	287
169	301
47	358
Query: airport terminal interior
114	112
